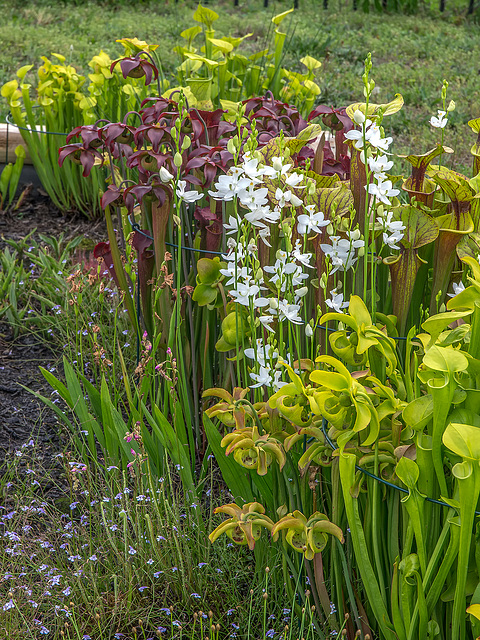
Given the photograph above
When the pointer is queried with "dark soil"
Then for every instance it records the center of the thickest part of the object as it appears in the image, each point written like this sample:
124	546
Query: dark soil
22	416
39	214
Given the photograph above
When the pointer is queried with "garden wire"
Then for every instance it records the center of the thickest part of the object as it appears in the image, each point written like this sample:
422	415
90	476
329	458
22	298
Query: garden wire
332	445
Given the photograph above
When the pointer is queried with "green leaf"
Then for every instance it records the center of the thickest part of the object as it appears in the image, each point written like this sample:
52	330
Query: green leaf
323	182
189	34
474	125
388	108
454	184
201	88
337	199
204	294
418	413
310	132
466	299
463	440
434	325
311	63
445	359
331	380
420	230
211	64
419	161
408	472
281	16
222	45
208	270
236	41
359	312
205	15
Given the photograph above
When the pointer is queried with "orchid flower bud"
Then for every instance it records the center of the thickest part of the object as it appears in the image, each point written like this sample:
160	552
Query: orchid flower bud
355	235
277	163
330	229
231	147
308	331
186	143
358	117
177	159
165	175
323	281
301	292
273	303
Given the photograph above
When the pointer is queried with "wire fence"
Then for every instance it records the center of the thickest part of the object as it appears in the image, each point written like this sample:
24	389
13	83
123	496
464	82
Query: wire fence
409	6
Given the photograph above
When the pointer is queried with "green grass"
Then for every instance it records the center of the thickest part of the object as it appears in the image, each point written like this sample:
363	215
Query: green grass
411	54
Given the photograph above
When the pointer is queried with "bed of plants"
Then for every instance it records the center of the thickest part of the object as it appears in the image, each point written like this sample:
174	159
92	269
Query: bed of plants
241	53
270	376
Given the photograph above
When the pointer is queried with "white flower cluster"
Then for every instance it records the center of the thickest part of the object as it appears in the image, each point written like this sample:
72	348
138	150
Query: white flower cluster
342	251
381	188
267	359
262	196
392	229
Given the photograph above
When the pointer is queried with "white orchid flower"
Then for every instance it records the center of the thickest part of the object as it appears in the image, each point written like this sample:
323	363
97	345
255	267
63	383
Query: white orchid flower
372	136
441	121
391	241
244	292
277	383
457	288
231	226
266	321
253	198
264	234
187	196
311	222
342	252
303	258
229	185
336	303
279	167
371	130
287	197
382	191
294	180
289	311
261	378
380	164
